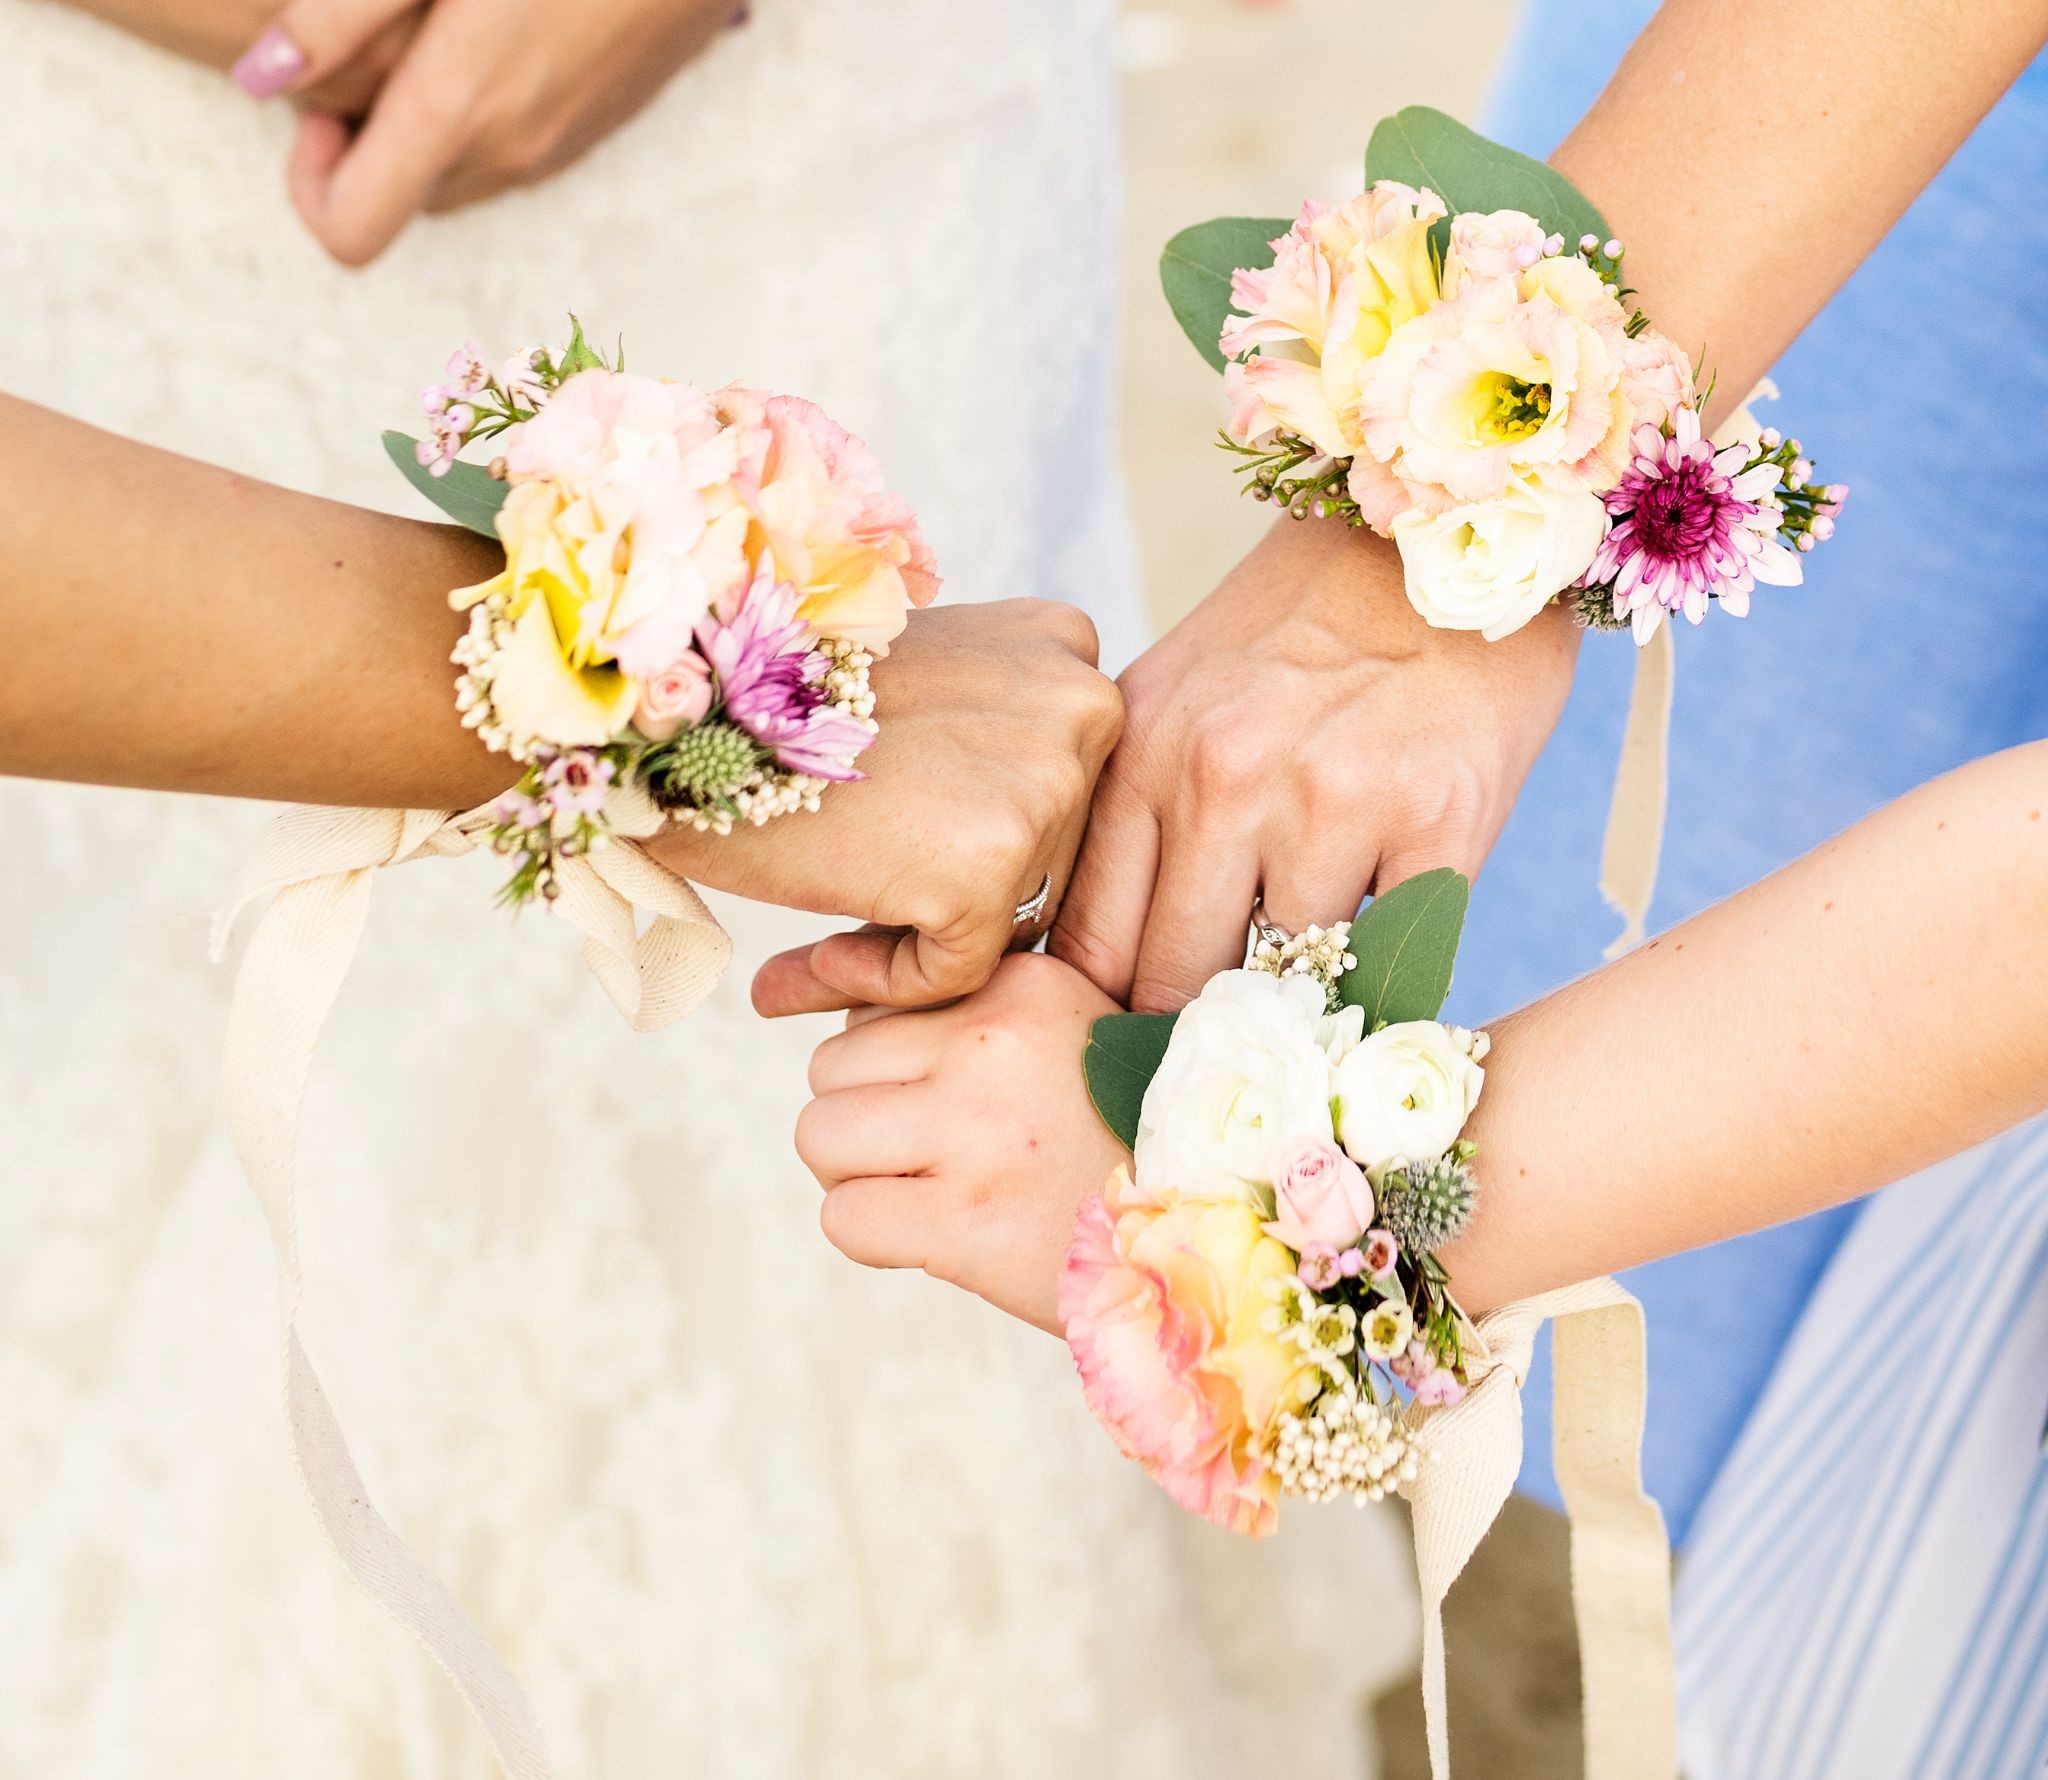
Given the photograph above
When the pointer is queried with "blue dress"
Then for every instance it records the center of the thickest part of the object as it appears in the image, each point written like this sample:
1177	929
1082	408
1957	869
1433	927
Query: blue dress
1919	641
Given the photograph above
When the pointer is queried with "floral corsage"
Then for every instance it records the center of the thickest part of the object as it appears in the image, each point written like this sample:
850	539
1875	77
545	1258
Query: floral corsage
695	586
1255	1305
1453	360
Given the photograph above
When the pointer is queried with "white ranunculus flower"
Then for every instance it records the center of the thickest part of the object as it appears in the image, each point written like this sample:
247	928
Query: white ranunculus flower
1404	1093
1245	1073
1493	566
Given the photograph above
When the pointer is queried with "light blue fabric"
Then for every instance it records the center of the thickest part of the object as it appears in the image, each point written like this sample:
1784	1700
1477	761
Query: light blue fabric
1919	641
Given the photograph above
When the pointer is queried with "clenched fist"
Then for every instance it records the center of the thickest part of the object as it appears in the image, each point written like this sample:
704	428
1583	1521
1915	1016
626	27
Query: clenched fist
995	724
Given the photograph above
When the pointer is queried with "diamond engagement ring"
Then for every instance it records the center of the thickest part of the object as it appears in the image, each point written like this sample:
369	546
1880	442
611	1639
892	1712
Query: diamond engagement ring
1034	905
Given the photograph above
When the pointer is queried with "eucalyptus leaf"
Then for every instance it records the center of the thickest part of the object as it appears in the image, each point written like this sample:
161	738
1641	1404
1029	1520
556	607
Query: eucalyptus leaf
1406	944
1195	269
1422	147
1123	1055
468	494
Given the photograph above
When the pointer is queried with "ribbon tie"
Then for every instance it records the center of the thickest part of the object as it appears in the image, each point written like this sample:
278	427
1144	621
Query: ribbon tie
1621	1560
318	866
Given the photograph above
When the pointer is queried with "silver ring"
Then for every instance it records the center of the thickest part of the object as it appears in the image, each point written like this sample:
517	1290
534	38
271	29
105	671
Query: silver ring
1272	935
1033	905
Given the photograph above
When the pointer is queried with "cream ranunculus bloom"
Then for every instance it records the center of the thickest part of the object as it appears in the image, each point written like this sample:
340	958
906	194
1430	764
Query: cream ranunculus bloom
1404	1093
1493	566
1246	1072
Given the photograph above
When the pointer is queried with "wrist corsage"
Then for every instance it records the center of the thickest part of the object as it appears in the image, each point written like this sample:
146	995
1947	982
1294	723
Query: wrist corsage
695	586
1453	359
1256	1306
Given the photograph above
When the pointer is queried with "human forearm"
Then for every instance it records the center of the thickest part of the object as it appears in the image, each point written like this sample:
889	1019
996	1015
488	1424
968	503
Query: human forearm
1751	154
1876	1006
174	626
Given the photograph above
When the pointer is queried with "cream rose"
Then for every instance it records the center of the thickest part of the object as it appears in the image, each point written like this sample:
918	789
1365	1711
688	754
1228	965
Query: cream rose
1244	1073
1404	1093
1492	566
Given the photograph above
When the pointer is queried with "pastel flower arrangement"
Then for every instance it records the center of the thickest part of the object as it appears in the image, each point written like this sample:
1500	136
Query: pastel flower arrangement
1255	1305
1456	366
695	587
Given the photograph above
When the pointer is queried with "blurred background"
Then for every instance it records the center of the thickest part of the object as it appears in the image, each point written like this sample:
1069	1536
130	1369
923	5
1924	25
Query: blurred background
1204	136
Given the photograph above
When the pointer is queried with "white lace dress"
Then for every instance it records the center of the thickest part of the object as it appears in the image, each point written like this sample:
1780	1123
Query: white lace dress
729	1505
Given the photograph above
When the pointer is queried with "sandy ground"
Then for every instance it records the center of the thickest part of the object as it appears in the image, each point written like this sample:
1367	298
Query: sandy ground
1239	108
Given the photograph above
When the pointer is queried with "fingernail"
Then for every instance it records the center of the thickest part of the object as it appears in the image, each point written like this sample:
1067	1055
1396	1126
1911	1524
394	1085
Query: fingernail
269	65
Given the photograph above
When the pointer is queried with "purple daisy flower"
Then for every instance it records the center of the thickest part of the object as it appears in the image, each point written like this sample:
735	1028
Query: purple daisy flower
768	677
1689	524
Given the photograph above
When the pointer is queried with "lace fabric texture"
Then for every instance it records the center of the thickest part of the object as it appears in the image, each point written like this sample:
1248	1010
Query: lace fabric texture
729	1505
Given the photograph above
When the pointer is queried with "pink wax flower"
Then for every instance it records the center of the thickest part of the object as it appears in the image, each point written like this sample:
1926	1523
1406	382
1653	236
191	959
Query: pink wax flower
516	810
1689	524
1321	1198
1381	1253
1321	1267
1439	1389
676	698
467	373
578	781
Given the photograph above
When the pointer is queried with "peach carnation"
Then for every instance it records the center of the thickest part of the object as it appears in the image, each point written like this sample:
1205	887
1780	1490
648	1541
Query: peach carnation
826	521
1165	1307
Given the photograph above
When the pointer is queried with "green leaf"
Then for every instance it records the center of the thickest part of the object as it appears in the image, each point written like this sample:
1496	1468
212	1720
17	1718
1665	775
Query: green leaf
1405	944
1195	269
467	494
1123	1055
1421	147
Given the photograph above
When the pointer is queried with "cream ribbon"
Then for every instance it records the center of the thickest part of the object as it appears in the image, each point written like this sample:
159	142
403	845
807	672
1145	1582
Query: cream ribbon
1621	1560
318	866
1635	815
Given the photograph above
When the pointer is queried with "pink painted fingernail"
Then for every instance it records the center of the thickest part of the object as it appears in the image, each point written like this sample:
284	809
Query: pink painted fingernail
270	64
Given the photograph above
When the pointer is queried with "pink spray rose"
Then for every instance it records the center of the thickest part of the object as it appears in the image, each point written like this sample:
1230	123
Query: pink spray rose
1321	1197
676	698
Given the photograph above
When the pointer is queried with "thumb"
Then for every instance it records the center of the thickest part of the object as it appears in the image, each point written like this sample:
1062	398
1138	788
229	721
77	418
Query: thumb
309	39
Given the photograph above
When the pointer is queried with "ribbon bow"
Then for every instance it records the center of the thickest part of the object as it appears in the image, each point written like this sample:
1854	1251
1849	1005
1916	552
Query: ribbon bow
318	866
1621	1560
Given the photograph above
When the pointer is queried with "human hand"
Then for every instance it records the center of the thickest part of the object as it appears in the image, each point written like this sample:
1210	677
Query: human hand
217	32
963	1141
1304	735
489	94
994	726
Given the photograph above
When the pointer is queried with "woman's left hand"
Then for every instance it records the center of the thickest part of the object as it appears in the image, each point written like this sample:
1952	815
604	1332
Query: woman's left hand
489	94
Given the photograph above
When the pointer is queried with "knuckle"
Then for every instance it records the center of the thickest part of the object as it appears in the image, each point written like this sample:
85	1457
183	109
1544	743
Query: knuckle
1445	797
1070	627
836	1222
1227	758
809	1136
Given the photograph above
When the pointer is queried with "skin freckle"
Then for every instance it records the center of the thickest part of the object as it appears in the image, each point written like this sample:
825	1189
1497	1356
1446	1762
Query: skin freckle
1825	907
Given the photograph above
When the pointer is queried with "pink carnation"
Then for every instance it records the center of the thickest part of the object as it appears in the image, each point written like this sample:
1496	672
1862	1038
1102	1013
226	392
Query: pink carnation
1164	1306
